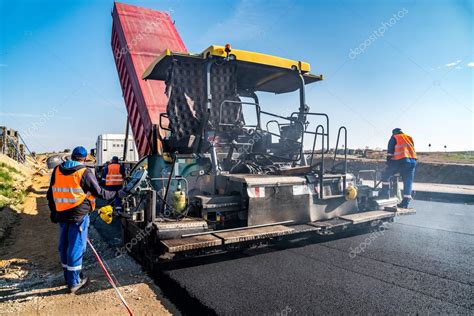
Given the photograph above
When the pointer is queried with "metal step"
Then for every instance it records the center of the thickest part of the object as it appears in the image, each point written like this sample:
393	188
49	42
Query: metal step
331	223
247	234
216	238
253	234
191	243
358	218
305	228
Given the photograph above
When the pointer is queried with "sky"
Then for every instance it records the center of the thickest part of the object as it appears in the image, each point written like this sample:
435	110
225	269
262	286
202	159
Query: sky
386	64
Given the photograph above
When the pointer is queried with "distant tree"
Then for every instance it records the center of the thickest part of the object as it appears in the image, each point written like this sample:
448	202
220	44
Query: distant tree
67	150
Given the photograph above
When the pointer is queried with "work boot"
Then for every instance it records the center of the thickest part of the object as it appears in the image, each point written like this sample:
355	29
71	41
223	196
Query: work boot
404	203
75	288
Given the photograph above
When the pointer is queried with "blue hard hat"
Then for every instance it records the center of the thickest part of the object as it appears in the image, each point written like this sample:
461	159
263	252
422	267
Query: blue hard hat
79	152
115	159
396	130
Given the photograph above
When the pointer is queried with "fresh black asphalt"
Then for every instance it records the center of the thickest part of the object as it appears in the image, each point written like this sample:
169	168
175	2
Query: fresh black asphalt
419	264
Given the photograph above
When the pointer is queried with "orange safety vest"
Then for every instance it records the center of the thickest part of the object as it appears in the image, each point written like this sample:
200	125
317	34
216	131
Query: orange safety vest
113	177
67	191
404	147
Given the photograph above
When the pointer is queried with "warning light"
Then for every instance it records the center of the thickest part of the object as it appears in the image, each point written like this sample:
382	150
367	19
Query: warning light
227	48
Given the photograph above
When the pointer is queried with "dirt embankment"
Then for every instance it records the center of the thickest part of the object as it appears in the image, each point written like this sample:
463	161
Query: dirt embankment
425	172
31	277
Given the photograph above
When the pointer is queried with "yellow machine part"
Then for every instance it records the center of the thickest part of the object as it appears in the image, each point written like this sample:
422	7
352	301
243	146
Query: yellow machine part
351	193
257	58
105	213
179	200
167	157
240	55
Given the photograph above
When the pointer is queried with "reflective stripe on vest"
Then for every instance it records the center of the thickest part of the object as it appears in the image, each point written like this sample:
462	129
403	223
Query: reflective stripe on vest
404	147
113	177
67	191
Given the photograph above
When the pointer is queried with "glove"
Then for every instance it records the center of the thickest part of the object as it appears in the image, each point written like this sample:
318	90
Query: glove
105	213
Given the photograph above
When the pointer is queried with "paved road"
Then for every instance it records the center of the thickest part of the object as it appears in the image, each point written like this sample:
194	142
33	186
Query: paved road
422	263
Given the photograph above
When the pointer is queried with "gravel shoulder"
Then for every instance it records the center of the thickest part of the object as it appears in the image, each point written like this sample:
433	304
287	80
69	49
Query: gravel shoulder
31	279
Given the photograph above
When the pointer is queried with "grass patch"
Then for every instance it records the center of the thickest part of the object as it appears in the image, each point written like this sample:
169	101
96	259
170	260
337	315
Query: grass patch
8	168
6	186
461	156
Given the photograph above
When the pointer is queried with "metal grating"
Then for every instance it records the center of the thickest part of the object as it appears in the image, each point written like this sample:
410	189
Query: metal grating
186	88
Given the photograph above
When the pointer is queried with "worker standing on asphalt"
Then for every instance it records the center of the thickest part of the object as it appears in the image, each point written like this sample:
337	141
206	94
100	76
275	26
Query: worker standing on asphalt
113	177
71	197
401	158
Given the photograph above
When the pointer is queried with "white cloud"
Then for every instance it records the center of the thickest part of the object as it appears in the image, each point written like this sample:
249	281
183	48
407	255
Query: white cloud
471	64
29	115
10	114
454	63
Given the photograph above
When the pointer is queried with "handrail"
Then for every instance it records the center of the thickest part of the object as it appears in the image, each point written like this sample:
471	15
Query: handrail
314	144
345	148
278	123
326	127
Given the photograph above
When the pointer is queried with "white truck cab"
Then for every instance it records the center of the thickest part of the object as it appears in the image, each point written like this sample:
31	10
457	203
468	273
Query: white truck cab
109	145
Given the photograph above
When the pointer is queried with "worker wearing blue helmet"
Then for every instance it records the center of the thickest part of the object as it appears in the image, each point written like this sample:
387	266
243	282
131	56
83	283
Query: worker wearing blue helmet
71	197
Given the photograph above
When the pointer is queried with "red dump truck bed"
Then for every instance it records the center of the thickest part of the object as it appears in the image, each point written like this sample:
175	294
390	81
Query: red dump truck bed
139	36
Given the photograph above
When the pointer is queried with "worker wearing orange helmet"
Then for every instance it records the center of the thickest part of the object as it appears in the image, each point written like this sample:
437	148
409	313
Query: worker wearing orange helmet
401	158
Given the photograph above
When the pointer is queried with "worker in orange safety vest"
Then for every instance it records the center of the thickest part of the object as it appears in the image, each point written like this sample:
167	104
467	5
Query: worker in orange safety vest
113	177
401	158
71	197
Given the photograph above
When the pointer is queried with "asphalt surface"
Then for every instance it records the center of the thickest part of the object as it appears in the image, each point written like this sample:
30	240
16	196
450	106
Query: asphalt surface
420	264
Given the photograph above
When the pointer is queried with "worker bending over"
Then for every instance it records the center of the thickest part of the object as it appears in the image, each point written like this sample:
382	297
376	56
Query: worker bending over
113	177
71	197
401	158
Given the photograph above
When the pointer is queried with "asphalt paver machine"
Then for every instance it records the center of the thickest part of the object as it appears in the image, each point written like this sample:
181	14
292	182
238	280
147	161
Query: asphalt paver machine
226	172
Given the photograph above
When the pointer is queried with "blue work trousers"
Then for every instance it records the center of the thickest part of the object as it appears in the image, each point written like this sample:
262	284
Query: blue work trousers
72	246
406	170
